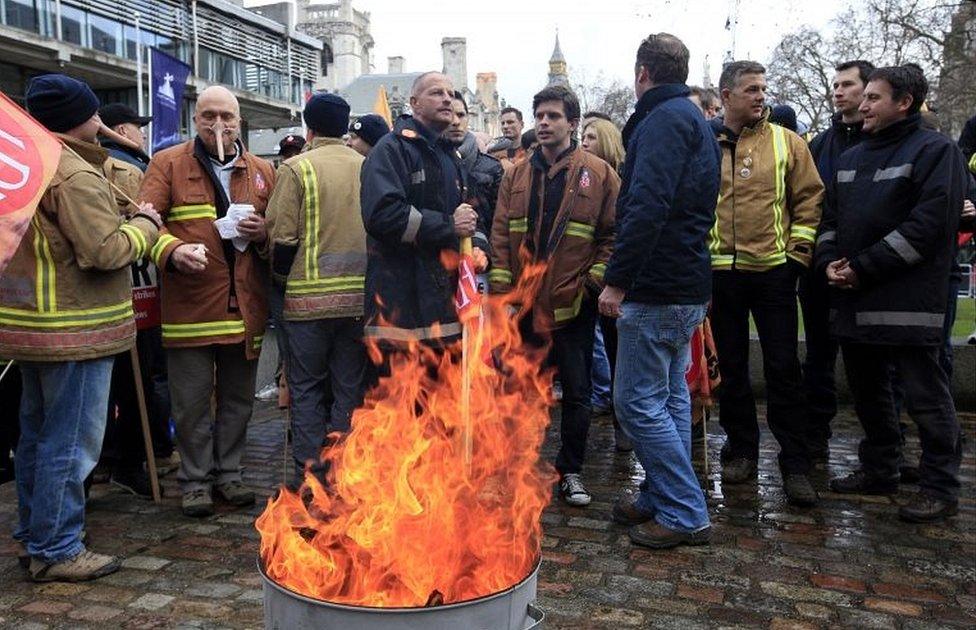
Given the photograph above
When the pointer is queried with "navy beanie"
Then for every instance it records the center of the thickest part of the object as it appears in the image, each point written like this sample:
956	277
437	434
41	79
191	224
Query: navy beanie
370	128
784	116
59	102
327	115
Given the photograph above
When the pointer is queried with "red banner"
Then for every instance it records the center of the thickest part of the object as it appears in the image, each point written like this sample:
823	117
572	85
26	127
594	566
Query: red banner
467	300
29	156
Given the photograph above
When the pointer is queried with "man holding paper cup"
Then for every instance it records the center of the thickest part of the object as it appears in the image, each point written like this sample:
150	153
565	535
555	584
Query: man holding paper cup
211	194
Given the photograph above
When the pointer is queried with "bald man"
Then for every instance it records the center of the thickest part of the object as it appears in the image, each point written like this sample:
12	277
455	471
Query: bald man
414	198
213	293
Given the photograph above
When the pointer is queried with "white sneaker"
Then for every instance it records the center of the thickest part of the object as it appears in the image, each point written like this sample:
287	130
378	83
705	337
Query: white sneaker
972	339
267	393
572	490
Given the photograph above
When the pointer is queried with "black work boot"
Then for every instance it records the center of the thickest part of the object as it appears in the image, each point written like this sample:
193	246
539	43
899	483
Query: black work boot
924	508
860	482
799	490
739	470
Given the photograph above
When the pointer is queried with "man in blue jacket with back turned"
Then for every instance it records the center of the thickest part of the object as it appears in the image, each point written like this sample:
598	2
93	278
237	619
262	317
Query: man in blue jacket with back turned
658	284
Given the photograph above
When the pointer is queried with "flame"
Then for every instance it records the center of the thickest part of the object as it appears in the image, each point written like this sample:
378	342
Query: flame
401	521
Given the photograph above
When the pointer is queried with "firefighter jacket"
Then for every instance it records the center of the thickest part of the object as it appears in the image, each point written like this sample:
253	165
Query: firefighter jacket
769	199
893	211
412	182
226	303
579	244
66	294
318	244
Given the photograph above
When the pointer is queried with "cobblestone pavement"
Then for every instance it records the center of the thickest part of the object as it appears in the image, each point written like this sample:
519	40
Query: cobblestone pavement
848	562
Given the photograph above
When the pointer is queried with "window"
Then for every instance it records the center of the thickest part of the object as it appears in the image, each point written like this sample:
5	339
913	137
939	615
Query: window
106	35
327	59
73	26
148	39
21	14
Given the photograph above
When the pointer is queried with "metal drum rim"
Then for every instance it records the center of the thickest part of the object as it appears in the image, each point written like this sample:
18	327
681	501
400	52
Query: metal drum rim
409	610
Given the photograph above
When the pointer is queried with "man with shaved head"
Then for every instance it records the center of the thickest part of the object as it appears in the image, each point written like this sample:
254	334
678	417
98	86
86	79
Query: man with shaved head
415	205
211	194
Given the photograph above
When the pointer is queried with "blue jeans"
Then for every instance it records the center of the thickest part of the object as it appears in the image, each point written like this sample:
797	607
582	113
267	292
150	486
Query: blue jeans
63	410
600	397
653	406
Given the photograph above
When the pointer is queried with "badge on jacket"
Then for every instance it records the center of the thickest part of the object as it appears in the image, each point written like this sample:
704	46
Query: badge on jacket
585	179
259	181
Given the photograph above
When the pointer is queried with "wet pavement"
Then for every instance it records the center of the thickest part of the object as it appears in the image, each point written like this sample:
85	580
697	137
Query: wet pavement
847	563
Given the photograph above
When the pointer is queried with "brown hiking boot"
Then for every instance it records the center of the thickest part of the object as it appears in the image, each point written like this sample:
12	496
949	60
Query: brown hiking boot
656	536
235	493
87	565
23	558
625	512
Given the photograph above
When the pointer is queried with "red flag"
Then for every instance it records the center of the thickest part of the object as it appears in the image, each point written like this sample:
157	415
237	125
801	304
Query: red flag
467	300
29	156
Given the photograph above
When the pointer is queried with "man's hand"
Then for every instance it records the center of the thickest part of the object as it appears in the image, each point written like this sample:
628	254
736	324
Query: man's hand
968	209
147	208
609	302
840	274
190	258
465	220
253	228
479	258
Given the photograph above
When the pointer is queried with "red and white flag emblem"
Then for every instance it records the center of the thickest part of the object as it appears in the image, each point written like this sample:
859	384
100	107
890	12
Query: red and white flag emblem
585	179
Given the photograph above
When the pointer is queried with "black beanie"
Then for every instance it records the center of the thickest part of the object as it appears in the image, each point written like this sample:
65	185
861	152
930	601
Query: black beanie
370	128
327	115
59	102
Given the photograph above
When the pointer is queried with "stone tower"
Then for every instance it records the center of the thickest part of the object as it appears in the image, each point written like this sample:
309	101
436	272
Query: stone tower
486	101
455	52
348	44
558	74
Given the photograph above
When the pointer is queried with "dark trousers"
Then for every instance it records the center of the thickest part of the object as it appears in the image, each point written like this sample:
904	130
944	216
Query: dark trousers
572	354
123	445
770	296
929	403
819	385
326	370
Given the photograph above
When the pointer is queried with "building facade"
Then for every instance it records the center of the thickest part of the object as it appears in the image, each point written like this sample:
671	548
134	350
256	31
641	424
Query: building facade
266	65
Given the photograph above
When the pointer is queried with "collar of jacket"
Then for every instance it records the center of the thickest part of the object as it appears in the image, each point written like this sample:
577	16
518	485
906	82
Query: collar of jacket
90	152
895	132
724	134
136	153
837	122
322	141
412	129
648	101
562	161
468	150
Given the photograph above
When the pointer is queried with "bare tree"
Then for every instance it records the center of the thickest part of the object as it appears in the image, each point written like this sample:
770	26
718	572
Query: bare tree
600	94
885	32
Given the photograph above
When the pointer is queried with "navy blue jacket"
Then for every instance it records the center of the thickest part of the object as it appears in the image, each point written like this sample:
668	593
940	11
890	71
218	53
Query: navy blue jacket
893	209
411	184
667	202
829	144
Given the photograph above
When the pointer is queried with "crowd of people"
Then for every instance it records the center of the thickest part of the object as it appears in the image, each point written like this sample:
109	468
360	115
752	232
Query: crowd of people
701	213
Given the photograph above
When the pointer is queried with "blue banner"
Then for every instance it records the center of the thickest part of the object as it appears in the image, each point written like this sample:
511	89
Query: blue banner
166	85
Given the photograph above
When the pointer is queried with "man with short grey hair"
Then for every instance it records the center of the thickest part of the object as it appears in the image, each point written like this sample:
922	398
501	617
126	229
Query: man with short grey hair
414	204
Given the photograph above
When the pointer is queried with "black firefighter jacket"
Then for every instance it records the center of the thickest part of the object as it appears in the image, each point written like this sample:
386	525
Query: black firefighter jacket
411	185
893	210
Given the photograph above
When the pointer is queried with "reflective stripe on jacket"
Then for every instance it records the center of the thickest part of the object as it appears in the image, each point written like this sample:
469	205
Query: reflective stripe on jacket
316	230
66	293
769	201
582	229
198	309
